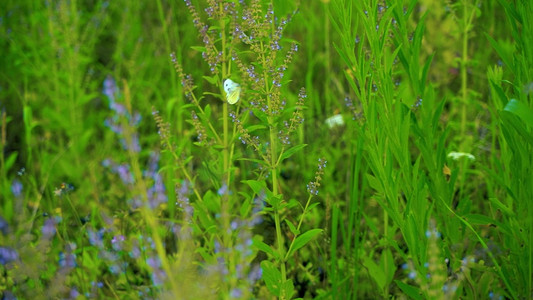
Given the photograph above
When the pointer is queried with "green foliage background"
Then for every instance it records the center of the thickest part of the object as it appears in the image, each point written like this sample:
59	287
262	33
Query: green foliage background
395	215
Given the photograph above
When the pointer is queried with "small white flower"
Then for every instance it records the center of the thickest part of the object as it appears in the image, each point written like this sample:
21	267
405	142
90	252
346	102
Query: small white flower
456	155
335	121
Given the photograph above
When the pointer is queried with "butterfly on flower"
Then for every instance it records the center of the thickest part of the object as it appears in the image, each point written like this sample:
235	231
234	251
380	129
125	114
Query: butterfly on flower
233	91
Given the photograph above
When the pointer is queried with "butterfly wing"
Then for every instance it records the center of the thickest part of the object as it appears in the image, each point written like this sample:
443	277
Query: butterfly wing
234	95
228	85
233	91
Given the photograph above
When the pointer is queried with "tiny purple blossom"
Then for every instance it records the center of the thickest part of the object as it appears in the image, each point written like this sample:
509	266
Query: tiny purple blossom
7	255
117	242
16	188
49	228
4	226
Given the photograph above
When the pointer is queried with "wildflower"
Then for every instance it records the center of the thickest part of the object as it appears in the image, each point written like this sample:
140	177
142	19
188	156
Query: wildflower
412	275
434	233
236	293
245	136
223	190
4	226
335	121
16	188
200	129
49	228
120	111
156	193
74	293
163	129
96	238
255	273
312	187
8	295
135	250
7	255
67	259
417	104
63	189
117	242
158	275
110	88
456	155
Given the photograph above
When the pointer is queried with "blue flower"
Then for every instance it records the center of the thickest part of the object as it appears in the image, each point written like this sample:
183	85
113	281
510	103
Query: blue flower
7	255
4	226
16	188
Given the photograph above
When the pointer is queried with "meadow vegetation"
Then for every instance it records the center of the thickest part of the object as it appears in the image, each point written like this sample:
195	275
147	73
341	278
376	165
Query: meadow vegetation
360	149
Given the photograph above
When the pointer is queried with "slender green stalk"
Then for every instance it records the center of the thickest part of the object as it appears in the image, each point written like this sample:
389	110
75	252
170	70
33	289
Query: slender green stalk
146	212
464	76
302	216
168	49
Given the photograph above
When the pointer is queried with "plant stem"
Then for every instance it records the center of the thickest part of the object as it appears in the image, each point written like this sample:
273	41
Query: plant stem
140	185
299	225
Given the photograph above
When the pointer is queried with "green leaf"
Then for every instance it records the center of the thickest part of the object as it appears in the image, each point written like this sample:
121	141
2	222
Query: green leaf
310	207
375	272
292	227
386	255
272	277
409	290
291	151
257	186
502	207
504	55
287	290
215	95
303	239
207	111
499	91
255	127
477	219
200	212
258	243
521	110
245	207
10	160
199	48
212	201
260	115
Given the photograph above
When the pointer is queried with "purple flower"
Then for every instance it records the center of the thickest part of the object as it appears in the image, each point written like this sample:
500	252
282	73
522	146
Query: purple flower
74	293
124	172
16	188
49	228
117	242
135	252
7	255
255	273
4	226
158	277
8	295
67	260
236	293
223	190
153	262
96	238
110	88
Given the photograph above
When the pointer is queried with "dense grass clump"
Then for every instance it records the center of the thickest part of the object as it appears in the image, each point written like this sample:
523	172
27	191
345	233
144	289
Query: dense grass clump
266	149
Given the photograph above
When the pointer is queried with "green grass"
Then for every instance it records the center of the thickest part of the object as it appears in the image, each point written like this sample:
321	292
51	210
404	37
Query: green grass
125	173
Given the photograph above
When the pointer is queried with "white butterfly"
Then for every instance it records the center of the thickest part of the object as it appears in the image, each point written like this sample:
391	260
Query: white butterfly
233	91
